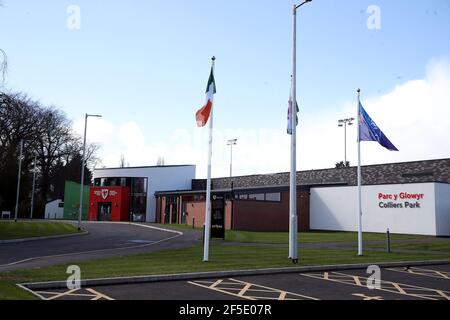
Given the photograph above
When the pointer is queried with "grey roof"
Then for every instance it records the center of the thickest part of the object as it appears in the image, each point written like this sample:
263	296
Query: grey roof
391	173
147	167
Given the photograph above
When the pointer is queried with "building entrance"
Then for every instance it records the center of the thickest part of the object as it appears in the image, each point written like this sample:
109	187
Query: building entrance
104	211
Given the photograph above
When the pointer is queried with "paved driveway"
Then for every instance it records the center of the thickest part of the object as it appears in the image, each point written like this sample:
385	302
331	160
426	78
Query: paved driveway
104	240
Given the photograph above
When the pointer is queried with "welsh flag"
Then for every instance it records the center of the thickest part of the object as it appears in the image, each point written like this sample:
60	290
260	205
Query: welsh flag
204	113
289	117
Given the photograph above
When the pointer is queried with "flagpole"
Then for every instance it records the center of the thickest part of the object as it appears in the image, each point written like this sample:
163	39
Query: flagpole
360	235
293	221
208	185
290	115
293	254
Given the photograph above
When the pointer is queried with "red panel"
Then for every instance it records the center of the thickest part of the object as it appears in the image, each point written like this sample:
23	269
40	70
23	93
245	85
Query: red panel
270	216
119	197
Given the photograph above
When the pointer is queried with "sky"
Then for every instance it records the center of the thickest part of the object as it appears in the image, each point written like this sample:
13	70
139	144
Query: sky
144	65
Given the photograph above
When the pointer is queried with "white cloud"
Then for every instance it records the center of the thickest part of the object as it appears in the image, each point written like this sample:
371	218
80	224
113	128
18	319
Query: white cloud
98	129
414	115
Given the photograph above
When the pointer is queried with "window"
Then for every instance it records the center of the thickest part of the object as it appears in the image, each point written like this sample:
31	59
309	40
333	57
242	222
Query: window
139	186
138	201
199	198
256	197
139	205
269	197
114	182
275	197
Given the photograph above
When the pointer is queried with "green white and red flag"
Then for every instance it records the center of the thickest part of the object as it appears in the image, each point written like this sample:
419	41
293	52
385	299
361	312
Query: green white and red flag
202	115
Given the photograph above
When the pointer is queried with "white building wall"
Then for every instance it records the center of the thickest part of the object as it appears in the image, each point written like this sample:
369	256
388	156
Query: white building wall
53	211
335	208
159	179
443	209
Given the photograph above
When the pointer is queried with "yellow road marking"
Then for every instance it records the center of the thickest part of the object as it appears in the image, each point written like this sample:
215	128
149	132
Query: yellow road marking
443	294
72	294
357	281
59	295
403	287
397	286
216	283
282	293
393	287
367	298
95	295
216	289
99	295
423	272
248	290
244	289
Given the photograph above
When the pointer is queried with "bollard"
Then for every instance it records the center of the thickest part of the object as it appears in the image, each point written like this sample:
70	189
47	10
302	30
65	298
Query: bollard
193	223
388	241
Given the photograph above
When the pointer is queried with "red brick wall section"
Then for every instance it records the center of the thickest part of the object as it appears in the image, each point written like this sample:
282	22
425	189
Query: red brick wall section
270	216
163	208
196	209
228	215
158	210
250	215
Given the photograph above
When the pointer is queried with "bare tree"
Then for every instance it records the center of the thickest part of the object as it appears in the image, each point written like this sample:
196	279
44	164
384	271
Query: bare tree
49	136
122	163
342	165
161	162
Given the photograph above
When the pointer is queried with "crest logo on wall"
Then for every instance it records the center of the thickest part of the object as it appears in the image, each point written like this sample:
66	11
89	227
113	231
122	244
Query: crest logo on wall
105	194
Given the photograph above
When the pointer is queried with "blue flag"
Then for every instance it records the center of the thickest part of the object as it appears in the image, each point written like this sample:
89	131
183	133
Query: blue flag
369	131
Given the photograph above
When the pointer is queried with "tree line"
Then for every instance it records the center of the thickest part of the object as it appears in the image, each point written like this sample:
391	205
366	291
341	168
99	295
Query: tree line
48	137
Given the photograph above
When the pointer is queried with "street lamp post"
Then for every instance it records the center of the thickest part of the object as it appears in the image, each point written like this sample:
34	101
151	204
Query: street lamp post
80	212
32	192
18	180
293	221
231	143
344	123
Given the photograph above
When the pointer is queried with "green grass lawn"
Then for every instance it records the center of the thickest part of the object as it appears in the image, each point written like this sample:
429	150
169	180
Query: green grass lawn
310	237
10	230
303	237
438	246
223	257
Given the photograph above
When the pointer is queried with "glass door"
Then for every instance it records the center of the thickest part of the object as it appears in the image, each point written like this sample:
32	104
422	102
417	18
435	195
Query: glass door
104	211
